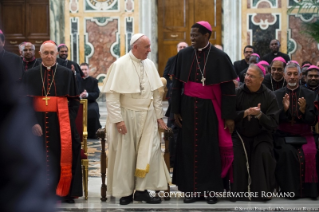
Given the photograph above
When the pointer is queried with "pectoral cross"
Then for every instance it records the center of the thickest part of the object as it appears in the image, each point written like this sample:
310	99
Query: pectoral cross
46	100
203	80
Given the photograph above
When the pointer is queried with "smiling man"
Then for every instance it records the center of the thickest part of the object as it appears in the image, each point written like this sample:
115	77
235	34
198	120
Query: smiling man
312	78
205	113
257	117
275	80
295	147
56	102
135	112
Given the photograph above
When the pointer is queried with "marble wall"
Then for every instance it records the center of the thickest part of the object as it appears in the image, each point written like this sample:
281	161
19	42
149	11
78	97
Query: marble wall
264	20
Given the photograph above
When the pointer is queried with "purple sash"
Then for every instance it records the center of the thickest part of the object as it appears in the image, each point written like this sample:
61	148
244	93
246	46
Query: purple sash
309	148
213	92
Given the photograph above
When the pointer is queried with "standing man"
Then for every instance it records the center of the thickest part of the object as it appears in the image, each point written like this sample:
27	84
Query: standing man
312	78
134	114
275	80
56	102
240	65
274	48
169	69
63	61
91	92
28	59
295	146
257	118
12	59
204	111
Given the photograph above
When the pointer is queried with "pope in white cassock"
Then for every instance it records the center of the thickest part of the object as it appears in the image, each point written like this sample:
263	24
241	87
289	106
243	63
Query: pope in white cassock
135	112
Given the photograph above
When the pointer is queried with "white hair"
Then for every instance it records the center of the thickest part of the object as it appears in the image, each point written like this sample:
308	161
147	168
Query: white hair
56	48
32	46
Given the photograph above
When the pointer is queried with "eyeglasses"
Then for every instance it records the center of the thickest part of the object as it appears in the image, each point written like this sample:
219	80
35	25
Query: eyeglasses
250	76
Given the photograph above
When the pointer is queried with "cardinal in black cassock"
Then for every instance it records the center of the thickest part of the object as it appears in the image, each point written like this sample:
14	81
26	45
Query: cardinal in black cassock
91	92
257	117
56	102
203	100
296	163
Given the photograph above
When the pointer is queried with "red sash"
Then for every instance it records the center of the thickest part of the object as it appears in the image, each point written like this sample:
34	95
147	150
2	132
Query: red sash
213	92
60	106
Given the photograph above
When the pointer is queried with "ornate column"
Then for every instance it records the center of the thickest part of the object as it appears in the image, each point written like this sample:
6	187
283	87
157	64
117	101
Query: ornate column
232	29
57	20
148	25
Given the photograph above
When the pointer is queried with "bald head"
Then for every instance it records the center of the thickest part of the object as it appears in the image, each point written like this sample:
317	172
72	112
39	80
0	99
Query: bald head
141	47
48	53
181	45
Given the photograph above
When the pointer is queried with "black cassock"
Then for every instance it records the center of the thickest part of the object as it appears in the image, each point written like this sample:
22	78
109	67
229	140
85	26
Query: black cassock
269	57
90	84
257	137
14	61
79	73
31	64
197	166
272	85
240	65
64	85
291	166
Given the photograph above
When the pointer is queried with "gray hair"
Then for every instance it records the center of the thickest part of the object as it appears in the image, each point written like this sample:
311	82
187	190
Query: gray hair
254	66
292	65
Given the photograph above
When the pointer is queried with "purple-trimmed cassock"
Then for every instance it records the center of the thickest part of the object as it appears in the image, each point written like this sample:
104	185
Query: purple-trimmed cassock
204	151
296	164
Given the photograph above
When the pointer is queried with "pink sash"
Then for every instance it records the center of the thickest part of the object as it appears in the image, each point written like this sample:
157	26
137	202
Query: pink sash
213	92
309	148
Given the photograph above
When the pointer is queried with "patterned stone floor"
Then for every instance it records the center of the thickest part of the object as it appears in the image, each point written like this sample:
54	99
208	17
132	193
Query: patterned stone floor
94	204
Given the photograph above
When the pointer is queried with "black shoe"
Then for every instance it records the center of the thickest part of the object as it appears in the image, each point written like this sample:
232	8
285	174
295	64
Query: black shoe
145	196
69	200
126	200
190	199
211	200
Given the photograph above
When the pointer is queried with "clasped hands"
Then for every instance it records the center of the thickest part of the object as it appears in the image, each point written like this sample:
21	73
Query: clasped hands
252	111
83	94
301	102
121	128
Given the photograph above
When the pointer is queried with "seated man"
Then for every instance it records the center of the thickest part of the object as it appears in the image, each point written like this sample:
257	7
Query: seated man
254	58
312	78
295	147
275	80
257	116
91	92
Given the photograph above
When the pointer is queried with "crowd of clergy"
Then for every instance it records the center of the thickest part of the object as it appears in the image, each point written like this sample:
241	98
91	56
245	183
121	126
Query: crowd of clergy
248	127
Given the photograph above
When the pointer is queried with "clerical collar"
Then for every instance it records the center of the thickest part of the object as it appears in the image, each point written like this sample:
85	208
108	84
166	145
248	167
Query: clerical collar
275	53
48	67
277	80
201	49
134	58
85	77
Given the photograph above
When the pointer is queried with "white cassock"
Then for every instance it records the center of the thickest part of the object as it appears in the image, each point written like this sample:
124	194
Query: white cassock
135	160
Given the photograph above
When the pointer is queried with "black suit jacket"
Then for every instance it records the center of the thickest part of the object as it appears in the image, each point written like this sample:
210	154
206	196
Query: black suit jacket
240	65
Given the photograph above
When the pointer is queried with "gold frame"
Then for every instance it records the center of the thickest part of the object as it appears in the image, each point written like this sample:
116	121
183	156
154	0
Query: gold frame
85	162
